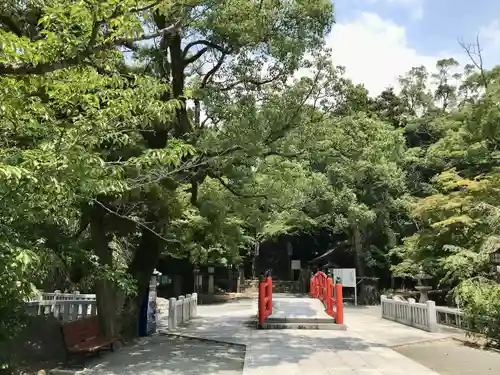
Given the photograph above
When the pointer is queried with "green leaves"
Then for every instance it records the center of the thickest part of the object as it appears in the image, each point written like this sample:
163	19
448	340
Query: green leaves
480	301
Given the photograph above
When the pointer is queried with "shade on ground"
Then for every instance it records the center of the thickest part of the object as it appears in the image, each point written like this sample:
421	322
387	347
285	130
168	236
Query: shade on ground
365	348
164	355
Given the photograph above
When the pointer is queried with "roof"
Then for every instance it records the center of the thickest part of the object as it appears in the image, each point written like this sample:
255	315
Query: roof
322	256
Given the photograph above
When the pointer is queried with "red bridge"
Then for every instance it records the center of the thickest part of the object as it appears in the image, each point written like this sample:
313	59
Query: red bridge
323	309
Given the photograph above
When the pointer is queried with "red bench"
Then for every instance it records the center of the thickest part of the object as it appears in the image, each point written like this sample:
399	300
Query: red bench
83	336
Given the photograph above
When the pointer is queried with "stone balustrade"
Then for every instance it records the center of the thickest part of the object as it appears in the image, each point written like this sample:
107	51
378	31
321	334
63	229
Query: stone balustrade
418	315
181	310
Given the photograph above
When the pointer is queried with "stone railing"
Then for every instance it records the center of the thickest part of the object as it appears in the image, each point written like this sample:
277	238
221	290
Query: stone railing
181	310
63	310
418	315
59	296
450	316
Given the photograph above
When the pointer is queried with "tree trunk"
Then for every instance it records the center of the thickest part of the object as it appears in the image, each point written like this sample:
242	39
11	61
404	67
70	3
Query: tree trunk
107	295
141	269
365	290
358	251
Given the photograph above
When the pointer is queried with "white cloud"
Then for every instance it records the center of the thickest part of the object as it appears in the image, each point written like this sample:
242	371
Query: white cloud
491	34
416	7
375	51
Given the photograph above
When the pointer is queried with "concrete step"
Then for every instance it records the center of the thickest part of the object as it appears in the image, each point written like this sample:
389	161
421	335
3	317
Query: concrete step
278	319
295	325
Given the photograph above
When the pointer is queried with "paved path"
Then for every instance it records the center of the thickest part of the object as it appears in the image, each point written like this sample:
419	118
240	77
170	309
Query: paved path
299	309
365	348
362	349
166	355
450	357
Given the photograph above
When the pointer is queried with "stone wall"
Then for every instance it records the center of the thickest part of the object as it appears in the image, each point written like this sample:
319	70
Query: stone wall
40	341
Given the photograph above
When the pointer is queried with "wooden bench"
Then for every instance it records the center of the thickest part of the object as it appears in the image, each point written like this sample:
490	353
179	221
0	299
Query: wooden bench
83	336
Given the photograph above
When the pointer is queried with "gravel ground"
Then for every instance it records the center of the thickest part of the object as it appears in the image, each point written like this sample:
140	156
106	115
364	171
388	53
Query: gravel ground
451	357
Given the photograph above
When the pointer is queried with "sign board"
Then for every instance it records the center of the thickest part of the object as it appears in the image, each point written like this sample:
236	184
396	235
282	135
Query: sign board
295	265
347	276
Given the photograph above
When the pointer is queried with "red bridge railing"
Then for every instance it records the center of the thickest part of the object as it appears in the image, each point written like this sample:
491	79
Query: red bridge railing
323	288
265	298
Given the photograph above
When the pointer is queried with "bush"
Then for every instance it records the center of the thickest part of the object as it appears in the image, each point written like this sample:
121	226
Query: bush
480	300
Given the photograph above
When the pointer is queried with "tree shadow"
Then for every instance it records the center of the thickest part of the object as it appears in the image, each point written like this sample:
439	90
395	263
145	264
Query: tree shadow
170	355
165	354
223	340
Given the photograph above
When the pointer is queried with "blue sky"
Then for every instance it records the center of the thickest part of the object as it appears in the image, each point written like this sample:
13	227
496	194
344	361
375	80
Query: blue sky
379	39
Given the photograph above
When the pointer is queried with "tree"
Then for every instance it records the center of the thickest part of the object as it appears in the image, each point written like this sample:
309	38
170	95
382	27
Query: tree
126	147
446	92
414	91
457	222
391	108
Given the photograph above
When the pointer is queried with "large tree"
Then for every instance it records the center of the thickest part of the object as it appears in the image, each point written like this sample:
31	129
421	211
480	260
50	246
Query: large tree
121	115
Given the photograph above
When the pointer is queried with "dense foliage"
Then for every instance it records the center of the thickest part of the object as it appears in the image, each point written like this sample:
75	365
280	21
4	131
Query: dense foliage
193	128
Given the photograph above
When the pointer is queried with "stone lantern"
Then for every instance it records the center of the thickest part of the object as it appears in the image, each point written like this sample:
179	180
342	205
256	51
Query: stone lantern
421	288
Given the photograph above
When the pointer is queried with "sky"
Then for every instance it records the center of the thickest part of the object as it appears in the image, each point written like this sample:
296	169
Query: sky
377	40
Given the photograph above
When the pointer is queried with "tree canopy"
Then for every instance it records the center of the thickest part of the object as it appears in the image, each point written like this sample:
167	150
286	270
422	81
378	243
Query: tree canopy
195	128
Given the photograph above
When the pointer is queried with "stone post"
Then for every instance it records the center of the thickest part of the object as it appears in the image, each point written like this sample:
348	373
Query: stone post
211	284
431	316
189	302
411	312
182	302
172	318
195	304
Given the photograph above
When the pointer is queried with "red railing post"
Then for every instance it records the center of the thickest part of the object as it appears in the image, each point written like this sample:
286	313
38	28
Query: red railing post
262	301
265	298
329	298
269	295
324	289
322	286
339	315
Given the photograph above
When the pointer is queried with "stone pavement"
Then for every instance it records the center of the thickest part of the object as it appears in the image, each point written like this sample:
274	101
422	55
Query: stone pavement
299	309
362	349
223	341
166	355
451	357
367	323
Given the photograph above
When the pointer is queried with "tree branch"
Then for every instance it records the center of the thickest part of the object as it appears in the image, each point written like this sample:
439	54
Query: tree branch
212	71
274	136
142	225
204	43
208	45
195	57
235	192
478	64
11	25
48	67
250	81
284	155
146	7
204	82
